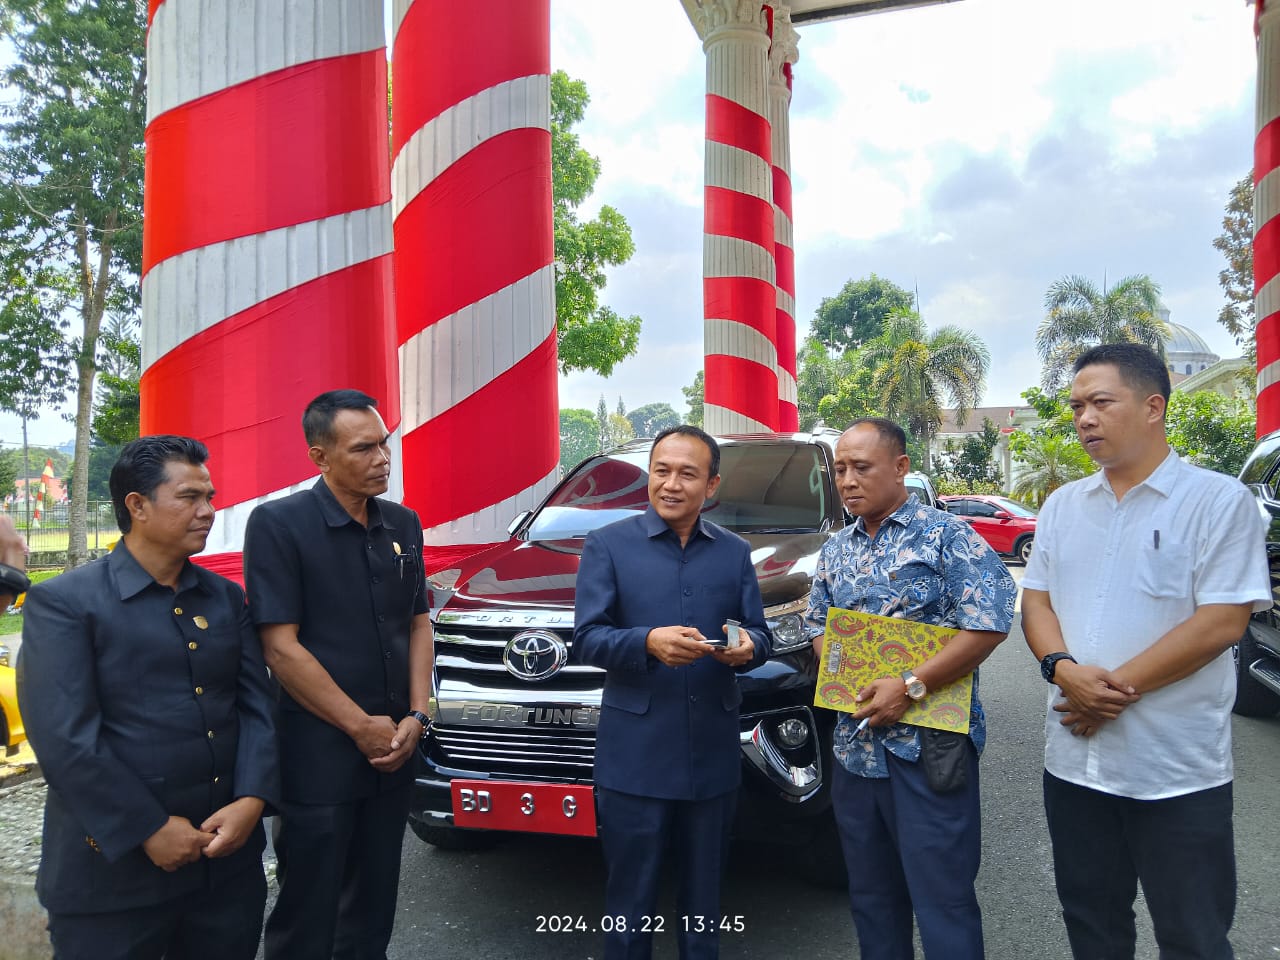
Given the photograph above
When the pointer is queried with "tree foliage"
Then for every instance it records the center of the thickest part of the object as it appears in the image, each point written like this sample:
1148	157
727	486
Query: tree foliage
652	419
968	464
590	335
915	371
695	397
1211	430
858	312
1078	316
1236	244
579	437
1049	460
71	162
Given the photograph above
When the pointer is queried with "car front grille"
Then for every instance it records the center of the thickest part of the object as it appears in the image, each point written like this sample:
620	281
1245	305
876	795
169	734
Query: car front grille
545	754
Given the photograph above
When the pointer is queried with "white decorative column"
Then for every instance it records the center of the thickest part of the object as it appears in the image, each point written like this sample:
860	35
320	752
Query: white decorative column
739	299
1266	216
783	52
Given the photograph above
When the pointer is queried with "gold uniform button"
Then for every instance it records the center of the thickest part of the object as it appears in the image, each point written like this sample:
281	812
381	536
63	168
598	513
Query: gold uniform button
210	734
178	611
216	779
192	645
199	691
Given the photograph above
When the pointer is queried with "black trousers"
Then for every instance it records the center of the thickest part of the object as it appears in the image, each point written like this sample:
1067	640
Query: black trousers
635	832
910	850
339	871
1180	848
224	923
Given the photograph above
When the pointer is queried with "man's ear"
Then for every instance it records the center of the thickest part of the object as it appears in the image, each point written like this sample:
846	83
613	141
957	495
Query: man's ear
903	466
1157	406
319	458
135	503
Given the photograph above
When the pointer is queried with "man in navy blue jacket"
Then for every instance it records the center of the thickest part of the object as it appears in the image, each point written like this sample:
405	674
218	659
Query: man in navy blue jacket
652	590
147	701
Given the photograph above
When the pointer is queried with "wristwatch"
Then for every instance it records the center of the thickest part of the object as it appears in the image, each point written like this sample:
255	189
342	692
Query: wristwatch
1049	665
916	689
423	719
13	580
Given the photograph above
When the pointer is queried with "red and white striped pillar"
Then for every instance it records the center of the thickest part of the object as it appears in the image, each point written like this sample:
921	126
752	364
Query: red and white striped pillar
783	52
266	262
1266	216
739	299
475	287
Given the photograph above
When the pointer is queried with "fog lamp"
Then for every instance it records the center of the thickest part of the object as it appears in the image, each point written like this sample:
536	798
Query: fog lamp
792	732
789	633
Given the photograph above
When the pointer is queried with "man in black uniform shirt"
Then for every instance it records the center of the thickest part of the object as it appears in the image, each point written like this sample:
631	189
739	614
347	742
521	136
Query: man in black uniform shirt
337	589
144	693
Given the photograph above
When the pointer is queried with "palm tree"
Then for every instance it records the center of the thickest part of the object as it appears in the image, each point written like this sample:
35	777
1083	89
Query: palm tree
1050	460
916	370
1079	316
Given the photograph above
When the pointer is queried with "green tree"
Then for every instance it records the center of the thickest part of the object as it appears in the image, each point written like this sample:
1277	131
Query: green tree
590	335
854	396
579	437
969	463
833	389
10	462
1236	244
1211	430
1079	315
694	396
1048	461
916	371
120	363
71	161
858	312
652	419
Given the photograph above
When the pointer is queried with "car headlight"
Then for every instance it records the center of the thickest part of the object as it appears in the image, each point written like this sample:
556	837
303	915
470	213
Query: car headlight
789	633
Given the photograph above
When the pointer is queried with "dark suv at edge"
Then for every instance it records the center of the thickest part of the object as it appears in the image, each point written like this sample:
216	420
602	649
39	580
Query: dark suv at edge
512	709
1258	652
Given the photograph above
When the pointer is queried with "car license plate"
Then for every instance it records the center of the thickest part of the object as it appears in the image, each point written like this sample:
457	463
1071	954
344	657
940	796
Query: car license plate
524	807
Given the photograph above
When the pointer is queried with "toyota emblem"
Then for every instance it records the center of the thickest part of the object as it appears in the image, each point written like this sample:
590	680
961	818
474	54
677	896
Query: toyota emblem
534	655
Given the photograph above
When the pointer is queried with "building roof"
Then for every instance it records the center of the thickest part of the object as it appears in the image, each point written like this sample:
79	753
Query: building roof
816	11
1184	340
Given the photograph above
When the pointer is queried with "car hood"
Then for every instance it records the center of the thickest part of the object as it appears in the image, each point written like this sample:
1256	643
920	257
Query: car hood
543	574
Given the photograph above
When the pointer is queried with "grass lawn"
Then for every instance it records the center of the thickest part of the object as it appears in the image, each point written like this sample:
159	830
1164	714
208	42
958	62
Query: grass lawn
11	623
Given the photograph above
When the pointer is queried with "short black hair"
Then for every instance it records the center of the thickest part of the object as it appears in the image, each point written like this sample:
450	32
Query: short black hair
1140	367
317	419
142	466
688	430
891	434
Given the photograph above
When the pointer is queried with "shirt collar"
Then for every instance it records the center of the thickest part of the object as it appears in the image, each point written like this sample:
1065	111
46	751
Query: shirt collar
1161	479
655	526
902	516
335	514
131	579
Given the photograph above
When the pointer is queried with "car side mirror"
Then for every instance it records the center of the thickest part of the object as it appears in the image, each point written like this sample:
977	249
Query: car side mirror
1003	515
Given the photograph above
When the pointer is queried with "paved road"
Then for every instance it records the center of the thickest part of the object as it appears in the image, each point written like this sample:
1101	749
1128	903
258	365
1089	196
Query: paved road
485	906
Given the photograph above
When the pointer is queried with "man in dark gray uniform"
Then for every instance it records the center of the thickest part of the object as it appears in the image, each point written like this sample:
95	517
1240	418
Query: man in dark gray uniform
337	589
145	697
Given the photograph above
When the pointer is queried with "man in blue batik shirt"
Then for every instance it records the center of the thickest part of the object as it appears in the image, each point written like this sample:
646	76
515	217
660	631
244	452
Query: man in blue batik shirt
908	847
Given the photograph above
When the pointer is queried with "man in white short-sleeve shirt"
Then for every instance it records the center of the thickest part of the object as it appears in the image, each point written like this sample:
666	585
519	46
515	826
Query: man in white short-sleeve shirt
1142	577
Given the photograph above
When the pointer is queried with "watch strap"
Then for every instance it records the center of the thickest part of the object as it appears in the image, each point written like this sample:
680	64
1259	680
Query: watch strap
422	718
13	580
1049	664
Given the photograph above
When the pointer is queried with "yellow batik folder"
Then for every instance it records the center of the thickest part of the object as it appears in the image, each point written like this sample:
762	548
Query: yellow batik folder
861	647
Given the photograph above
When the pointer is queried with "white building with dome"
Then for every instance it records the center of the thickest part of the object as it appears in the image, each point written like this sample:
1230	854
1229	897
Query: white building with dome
1185	350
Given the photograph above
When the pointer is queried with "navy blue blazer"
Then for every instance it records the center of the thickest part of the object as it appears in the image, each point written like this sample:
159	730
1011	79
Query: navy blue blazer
666	732
141	704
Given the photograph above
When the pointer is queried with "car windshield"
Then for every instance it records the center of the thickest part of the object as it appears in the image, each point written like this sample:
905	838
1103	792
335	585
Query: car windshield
764	488
1014	507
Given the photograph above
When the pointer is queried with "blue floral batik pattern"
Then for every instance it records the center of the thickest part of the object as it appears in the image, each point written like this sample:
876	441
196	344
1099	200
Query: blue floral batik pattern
923	565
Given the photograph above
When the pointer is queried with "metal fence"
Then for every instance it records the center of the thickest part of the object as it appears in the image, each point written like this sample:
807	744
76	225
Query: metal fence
51	532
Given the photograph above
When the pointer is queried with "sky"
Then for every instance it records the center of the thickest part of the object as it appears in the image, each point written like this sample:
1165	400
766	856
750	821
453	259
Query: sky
974	151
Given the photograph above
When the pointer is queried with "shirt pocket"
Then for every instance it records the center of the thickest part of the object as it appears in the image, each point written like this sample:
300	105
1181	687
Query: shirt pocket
916	585
1164	571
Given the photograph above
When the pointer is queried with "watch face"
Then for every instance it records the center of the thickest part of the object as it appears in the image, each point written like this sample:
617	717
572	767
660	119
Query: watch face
915	689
